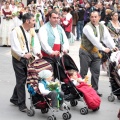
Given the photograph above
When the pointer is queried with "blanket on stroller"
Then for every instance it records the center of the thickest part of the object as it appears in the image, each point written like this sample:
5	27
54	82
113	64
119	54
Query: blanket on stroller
32	74
90	96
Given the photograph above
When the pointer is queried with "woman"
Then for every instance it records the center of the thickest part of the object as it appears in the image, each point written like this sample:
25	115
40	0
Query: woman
6	25
66	21
75	18
107	16
114	28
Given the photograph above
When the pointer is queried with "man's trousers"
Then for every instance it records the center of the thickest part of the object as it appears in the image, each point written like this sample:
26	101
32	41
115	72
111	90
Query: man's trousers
92	61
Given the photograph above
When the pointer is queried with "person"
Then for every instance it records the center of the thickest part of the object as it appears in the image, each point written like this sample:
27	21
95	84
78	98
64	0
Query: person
54	39
66	21
80	22
50	7
75	18
24	43
115	58
102	10
94	35
6	25
114	28
107	16
45	80
75	77
87	13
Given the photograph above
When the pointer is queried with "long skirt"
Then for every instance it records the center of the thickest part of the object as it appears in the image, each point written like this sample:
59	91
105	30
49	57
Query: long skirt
6	28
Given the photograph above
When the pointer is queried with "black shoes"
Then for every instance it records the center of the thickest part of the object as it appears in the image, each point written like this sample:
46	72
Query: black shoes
99	94
23	108
15	102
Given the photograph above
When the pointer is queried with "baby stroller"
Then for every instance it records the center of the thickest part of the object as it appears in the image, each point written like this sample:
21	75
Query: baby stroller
114	77
71	92
37	100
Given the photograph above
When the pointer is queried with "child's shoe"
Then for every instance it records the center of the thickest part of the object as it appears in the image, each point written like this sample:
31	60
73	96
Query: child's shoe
55	109
61	108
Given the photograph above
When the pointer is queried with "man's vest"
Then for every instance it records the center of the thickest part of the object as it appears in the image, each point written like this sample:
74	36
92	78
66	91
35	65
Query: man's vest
21	39
51	36
85	42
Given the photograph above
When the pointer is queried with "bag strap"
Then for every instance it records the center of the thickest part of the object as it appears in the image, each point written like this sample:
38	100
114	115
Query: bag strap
25	38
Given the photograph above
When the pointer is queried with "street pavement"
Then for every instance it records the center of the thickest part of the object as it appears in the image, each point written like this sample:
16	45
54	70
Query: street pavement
108	110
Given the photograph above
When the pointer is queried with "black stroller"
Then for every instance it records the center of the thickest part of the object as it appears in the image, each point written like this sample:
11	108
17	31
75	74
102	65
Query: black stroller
114	79
37	100
72	95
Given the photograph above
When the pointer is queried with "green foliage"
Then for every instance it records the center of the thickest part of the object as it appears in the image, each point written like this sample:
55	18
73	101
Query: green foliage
53	86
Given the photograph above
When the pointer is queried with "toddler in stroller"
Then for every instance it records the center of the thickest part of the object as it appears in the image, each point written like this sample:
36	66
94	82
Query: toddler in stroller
75	77
75	91
42	99
114	75
44	86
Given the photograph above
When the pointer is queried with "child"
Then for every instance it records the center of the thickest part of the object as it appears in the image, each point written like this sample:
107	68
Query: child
75	77
45	80
115	57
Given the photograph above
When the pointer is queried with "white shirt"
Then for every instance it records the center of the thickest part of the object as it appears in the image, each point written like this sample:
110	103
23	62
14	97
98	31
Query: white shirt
13	8
44	39
107	39
43	90
15	44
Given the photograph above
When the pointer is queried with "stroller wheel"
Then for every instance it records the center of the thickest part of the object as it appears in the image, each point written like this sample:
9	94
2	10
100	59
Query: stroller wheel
84	110
118	97
111	98
69	115
96	109
66	116
31	112
73	102
45	110
51	117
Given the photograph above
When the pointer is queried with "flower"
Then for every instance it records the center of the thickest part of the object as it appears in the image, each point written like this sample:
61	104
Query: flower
15	13
53	86
37	17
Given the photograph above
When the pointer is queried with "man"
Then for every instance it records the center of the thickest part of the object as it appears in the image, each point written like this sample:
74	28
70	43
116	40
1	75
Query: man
24	43
102	10
94	34
80	22
53	38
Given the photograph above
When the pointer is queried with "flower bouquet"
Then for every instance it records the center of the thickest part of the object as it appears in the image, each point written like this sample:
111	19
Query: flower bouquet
37	17
15	13
54	86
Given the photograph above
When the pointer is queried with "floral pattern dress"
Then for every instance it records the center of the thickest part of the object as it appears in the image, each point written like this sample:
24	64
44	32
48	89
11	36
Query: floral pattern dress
115	33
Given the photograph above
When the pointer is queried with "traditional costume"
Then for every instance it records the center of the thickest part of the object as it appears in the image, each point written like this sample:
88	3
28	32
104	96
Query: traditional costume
115	33
52	39
6	27
91	43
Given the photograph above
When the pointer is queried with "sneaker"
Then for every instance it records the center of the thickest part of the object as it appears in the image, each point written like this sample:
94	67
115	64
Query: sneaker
23	108
55	109
15	102
61	108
